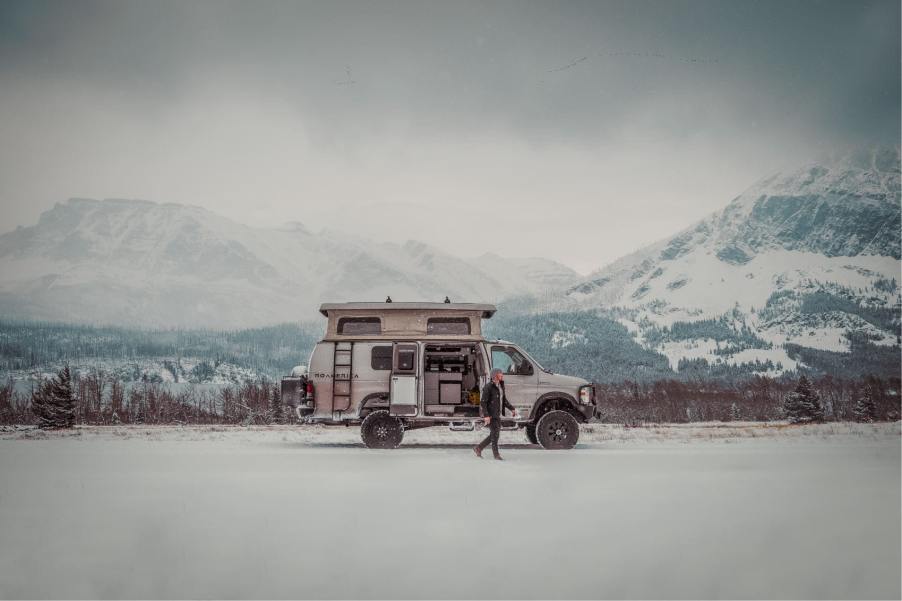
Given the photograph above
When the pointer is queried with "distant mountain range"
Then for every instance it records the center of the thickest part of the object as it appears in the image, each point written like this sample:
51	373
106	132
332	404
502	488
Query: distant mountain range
141	263
801	269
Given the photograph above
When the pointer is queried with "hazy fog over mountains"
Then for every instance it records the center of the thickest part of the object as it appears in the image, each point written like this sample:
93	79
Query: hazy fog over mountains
131	262
830	226
580	130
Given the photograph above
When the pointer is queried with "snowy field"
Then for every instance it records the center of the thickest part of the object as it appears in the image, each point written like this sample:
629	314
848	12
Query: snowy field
697	511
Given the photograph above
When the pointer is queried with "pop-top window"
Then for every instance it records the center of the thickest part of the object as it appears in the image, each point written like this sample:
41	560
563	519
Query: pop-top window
381	358
448	325
360	325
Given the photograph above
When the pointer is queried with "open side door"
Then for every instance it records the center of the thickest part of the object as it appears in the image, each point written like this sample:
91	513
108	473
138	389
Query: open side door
403	392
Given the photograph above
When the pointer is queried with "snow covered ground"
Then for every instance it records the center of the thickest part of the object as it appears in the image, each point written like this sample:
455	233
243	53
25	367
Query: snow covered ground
699	510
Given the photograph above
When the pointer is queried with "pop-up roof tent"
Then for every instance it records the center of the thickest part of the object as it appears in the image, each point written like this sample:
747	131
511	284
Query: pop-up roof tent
397	321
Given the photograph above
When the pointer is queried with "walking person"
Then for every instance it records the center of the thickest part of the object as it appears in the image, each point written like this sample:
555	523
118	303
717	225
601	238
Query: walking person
493	402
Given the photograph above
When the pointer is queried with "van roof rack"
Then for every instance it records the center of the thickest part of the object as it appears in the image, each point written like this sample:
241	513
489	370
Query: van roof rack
486	309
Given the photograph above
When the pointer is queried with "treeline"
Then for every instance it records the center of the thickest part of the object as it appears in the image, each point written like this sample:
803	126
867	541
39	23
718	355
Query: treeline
582	343
863	303
864	357
98	400
272	350
605	350
755	399
720	329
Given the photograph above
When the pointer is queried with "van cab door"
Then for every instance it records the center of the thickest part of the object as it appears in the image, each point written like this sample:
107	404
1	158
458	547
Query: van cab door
404	376
521	378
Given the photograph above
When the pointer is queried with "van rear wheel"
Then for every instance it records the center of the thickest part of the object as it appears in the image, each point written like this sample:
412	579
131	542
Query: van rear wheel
557	430
380	430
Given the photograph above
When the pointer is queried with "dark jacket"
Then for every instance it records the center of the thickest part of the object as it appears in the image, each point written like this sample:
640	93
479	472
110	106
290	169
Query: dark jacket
492	405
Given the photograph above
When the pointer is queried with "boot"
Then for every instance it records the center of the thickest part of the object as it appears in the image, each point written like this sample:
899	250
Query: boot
478	452
499	457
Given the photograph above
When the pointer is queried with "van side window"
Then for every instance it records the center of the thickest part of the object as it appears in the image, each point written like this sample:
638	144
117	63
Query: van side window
510	361
360	325
448	325
381	357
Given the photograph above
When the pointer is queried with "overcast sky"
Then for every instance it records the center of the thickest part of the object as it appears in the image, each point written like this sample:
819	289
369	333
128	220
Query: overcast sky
576	131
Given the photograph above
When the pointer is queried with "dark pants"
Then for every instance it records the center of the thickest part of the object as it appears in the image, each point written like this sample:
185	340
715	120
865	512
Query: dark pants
494	434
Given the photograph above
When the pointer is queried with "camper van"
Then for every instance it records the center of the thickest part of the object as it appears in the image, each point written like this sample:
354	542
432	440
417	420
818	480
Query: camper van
392	367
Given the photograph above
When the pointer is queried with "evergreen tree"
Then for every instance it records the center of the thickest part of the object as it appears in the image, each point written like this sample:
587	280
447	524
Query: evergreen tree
41	406
803	404
64	398
277	416
53	403
865	408
735	414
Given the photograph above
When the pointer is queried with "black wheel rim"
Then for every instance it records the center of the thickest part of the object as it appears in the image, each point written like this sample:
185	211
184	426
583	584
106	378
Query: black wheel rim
557	431
381	431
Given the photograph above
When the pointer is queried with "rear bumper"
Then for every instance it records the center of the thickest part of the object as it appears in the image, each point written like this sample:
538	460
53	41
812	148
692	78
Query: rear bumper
304	410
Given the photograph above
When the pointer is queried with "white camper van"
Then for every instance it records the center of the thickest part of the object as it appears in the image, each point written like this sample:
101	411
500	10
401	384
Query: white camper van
392	367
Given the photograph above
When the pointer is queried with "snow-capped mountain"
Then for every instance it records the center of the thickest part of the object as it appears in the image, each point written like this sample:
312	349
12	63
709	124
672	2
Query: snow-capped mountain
153	264
808	259
803	257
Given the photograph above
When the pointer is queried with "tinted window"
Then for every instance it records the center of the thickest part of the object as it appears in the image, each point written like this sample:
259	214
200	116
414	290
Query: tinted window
510	361
359	325
381	357
406	359
448	325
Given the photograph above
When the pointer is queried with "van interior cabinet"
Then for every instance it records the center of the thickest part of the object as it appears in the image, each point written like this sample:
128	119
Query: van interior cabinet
431	383
449	389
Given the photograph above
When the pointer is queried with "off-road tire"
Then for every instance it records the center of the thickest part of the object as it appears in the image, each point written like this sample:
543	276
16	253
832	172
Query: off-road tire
531	434
380	430
557	430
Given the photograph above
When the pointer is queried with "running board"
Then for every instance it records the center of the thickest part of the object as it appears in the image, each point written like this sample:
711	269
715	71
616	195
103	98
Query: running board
463	427
471	426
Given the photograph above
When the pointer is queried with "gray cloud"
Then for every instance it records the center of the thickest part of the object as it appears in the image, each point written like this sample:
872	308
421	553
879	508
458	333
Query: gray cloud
594	108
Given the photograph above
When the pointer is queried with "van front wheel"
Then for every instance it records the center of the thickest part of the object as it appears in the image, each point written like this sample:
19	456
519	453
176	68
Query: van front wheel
380	430
557	430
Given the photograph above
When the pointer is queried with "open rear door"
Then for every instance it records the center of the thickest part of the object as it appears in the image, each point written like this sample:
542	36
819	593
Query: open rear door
403	393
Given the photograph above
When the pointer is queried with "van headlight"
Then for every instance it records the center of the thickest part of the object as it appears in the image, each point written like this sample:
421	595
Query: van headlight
585	394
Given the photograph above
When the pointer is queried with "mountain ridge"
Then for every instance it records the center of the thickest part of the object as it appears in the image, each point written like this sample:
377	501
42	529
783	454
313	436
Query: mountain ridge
830	229
142	262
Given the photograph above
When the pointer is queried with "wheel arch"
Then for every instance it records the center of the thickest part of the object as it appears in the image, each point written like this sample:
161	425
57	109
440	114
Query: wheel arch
554	400
373	402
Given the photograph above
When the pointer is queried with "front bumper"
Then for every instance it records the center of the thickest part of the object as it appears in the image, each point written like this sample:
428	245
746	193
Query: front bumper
591	408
